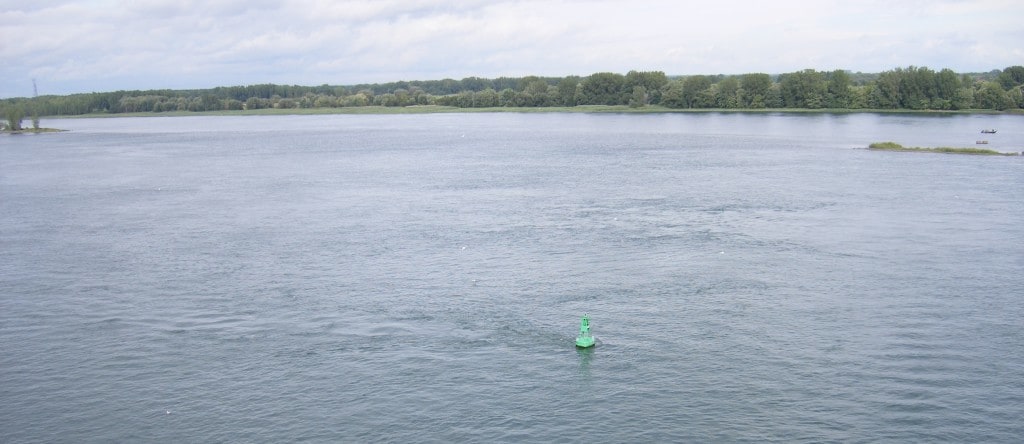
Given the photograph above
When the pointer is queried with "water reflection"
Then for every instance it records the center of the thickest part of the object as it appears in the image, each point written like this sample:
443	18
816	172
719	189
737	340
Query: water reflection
586	355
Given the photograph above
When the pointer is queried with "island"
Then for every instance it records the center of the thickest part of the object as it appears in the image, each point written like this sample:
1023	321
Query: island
5	130
892	146
14	117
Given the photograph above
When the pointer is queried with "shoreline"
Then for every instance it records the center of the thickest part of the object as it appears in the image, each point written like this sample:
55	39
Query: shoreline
438	109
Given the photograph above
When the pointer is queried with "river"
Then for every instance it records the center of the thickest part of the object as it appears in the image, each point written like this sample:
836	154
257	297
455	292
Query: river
420	278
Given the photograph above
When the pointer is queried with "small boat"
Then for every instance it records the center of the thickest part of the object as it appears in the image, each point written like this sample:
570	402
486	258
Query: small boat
988	131
982	142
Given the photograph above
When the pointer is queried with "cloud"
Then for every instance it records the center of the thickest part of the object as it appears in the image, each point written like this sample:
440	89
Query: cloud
82	46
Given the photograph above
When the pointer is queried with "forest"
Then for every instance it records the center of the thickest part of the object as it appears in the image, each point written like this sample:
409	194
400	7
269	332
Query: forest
910	88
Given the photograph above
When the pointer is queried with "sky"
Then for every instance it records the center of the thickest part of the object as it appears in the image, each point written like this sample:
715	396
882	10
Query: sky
84	46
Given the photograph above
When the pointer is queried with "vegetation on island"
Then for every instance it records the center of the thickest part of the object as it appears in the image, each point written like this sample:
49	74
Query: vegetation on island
892	146
900	89
13	117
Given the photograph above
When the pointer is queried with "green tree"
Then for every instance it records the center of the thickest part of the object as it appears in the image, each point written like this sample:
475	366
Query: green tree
917	87
465	99
402	97
1011	76
672	94
290	103
727	93
1016	96
803	89
964	98
14	115
384	98
838	89
774	98
210	102
535	93
525	82
507	97
419	96
638	98
474	84
946	86
651	81
886	93
603	88
990	95
859	96
502	83
693	89
567	91
325	101
487	98
357	99
754	89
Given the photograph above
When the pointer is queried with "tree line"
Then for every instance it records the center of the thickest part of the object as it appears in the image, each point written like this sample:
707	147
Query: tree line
910	88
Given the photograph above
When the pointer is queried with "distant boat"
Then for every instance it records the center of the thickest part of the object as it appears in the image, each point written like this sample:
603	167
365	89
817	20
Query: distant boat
982	142
988	131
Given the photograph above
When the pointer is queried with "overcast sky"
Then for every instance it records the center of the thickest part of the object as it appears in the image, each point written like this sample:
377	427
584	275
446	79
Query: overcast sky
107	45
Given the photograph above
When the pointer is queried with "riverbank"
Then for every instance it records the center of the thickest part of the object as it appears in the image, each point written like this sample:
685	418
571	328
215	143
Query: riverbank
892	146
429	109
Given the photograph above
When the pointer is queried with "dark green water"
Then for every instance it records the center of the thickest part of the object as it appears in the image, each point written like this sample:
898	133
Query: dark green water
420	278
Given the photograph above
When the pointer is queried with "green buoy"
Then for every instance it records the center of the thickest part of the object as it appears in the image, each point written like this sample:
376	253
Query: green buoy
585	340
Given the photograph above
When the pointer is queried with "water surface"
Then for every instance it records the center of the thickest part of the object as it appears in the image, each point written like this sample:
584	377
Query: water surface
420	278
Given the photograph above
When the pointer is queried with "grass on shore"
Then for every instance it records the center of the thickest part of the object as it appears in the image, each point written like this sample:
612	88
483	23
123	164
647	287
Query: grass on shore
892	146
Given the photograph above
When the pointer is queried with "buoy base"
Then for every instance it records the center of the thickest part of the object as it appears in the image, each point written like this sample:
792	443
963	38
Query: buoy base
585	342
